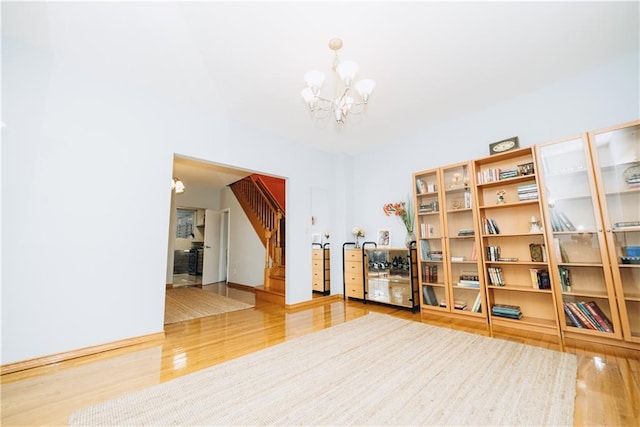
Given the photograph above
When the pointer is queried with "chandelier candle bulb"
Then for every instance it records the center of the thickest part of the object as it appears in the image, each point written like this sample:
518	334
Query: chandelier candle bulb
343	104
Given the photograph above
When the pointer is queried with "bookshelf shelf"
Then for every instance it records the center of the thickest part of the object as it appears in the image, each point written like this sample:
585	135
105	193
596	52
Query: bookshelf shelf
512	235
500	182
509	204
527	323
459	253
517	288
580	264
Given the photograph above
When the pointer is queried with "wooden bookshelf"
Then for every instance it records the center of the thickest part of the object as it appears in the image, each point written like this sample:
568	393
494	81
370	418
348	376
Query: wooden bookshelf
508	203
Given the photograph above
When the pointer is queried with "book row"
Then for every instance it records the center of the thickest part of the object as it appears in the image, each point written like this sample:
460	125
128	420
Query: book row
504	310
489	226
587	315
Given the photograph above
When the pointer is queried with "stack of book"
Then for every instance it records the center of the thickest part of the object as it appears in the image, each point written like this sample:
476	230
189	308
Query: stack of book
467	200
429	207
504	310
469	280
459	305
488	175
559	221
466	233
495	276
435	255
626	224
490	226
425	247
528	192
429	295
540	278
493	253
509	173
587	315
565	279
430	273
477	305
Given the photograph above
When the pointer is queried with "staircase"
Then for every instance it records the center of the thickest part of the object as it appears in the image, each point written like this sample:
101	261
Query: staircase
268	220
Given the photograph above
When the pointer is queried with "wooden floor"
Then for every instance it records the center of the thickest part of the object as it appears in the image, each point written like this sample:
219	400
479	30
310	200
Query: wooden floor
608	383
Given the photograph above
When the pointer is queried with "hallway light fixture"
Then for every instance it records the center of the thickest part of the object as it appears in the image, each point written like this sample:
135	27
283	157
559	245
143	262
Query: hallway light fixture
342	104
177	185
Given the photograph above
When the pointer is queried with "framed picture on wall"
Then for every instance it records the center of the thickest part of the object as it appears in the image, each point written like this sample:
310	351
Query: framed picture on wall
509	144
384	237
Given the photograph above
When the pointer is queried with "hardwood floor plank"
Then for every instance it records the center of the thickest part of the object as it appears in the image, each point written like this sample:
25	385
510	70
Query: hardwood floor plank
608	383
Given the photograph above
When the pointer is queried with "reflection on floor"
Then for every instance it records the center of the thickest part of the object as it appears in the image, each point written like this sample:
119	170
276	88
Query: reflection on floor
232	292
186	279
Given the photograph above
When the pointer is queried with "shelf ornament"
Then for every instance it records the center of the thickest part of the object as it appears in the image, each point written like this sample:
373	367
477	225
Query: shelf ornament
357	233
501	194
404	211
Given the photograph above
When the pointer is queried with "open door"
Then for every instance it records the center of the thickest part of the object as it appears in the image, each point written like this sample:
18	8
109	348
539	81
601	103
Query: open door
212	246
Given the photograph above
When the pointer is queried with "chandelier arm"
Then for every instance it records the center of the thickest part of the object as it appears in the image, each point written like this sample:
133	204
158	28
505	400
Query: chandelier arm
323	104
341	105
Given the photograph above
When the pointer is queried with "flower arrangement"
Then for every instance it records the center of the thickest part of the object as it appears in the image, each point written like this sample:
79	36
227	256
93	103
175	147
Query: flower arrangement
403	211
358	232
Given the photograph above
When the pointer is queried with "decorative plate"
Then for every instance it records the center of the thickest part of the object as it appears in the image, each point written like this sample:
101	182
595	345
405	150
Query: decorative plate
632	174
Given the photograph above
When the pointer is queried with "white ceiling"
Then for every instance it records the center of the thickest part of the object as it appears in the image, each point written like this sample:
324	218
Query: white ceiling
432	61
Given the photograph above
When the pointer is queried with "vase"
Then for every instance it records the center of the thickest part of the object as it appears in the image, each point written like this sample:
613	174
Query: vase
409	238
357	242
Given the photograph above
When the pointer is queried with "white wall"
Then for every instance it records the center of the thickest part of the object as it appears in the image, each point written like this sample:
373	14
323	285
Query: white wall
246	251
602	97
88	156
88	153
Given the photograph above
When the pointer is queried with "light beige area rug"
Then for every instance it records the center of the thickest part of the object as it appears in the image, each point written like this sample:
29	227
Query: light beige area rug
374	370
191	303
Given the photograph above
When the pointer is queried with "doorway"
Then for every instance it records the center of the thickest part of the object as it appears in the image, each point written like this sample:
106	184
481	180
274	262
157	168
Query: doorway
207	188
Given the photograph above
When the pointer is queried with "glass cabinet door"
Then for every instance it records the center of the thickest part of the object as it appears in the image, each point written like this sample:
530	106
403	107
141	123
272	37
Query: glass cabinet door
580	262
616	154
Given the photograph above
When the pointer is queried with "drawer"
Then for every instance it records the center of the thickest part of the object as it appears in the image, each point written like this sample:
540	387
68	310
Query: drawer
354	291
316	254
353	266
353	255
353	278
316	284
318	264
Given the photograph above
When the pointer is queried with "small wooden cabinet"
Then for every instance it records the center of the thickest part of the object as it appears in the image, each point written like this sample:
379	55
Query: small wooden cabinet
353	274
391	276
320	268
383	275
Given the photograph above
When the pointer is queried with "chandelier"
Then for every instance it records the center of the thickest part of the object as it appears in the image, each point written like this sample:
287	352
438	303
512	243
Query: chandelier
342	104
177	185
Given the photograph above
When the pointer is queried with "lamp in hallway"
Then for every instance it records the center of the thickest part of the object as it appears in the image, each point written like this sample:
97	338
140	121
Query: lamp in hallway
177	185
